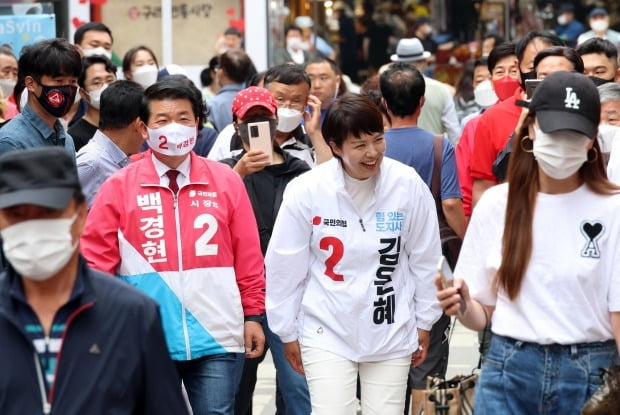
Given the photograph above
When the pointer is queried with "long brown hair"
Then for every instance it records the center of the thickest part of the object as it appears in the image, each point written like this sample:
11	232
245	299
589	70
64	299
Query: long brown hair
523	187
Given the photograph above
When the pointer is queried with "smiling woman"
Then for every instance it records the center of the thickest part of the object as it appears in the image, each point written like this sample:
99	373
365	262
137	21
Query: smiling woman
350	266
353	128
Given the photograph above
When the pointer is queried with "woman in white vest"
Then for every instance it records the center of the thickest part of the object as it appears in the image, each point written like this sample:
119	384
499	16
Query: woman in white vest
350	268
540	261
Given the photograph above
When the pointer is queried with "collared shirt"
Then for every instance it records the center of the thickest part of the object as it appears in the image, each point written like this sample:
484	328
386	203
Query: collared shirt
28	130
47	345
97	161
220	106
297	56
162	169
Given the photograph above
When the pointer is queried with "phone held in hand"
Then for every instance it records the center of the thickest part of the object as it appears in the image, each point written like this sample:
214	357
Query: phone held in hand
260	138
447	279
530	86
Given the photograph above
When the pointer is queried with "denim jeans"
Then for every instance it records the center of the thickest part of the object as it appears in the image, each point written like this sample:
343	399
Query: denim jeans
292	385
527	378
211	382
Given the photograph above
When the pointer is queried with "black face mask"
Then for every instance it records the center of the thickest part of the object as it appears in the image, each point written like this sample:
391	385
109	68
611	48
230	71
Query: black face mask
57	100
599	81
525	76
244	132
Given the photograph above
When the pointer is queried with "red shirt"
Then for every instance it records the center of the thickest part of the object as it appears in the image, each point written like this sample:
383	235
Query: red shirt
495	127
464	151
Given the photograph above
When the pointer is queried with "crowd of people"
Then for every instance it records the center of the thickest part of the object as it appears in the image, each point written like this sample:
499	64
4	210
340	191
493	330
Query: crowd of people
158	239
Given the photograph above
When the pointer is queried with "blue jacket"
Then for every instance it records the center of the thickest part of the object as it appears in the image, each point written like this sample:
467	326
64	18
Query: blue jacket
129	373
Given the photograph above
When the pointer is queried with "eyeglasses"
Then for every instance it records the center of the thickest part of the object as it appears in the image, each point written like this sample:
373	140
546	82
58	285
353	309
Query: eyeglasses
296	105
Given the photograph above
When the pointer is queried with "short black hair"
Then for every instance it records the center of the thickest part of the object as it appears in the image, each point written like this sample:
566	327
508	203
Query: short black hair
237	65
351	114
89	61
232	31
205	75
497	39
402	87
292	27
95	26
169	88
131	53
563	51
52	57
549	38
323	59
499	52
288	74
120	105
256	79
481	61
598	45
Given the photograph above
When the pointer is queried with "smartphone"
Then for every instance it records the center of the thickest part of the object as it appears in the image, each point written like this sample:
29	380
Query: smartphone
530	86
260	138
447	279
443	268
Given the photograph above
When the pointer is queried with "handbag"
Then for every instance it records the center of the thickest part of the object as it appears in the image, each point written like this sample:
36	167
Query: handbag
606	399
450	242
450	396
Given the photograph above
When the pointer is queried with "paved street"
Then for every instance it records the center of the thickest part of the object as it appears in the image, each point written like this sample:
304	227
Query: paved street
463	358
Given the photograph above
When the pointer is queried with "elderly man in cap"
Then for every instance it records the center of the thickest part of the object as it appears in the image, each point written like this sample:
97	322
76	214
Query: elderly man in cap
438	113
599	23
114	357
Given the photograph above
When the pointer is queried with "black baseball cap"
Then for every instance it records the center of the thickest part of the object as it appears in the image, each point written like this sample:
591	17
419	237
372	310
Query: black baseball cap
567	101
44	176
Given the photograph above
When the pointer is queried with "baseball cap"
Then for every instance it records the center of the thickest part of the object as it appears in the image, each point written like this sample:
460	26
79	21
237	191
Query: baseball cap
567	101
251	97
566	8
598	11
44	176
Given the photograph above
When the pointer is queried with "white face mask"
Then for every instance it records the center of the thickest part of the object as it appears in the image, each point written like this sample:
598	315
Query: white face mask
599	25
484	94
97	51
288	119
294	43
95	97
7	86
607	134
39	248
172	139
145	75
560	154
562	20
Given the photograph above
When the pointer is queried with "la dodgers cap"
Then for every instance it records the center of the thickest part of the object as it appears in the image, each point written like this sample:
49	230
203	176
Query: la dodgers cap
567	101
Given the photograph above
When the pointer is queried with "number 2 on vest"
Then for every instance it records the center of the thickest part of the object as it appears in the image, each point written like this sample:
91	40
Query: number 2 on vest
334	258
203	247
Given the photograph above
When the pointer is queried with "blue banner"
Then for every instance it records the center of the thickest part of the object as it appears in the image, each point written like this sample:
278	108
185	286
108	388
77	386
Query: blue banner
18	31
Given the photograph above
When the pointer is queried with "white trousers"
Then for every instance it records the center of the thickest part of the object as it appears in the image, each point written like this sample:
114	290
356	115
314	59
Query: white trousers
332	382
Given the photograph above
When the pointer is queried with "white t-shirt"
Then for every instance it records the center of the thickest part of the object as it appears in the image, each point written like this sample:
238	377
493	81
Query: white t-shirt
361	191
572	281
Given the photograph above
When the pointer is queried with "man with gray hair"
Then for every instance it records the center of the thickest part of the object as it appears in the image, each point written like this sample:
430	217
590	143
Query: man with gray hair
609	128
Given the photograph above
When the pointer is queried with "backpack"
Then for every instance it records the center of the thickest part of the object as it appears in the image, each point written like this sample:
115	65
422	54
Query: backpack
450	242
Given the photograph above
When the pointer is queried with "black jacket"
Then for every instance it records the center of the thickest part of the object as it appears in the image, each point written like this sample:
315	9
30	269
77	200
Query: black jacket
266	188
113	359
